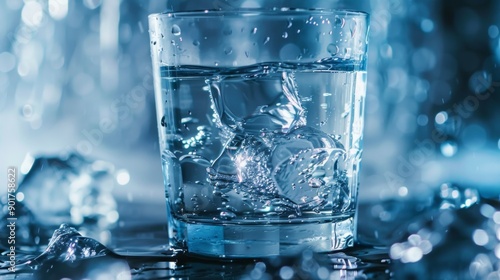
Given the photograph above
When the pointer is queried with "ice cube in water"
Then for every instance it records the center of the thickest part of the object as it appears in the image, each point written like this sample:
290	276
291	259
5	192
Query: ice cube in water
293	170
252	103
304	165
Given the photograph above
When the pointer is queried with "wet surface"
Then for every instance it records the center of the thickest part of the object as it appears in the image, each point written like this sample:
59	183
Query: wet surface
140	252
402	240
452	234
360	262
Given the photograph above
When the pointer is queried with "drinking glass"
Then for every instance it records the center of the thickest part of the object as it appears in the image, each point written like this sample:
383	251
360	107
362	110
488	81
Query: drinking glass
260	121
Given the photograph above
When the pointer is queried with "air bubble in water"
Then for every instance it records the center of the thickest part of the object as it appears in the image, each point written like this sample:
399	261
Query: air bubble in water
266	40
196	43
285	35
227	215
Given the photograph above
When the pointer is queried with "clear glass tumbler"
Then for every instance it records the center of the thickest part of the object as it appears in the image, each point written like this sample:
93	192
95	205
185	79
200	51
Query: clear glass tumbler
260	120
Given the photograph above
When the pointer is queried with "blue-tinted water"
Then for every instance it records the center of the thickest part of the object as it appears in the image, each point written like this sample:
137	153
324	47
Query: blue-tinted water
261	160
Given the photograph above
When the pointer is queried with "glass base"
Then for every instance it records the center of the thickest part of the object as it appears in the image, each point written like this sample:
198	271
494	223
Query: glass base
256	241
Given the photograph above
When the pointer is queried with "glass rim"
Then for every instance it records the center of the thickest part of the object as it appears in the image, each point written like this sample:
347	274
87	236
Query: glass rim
251	12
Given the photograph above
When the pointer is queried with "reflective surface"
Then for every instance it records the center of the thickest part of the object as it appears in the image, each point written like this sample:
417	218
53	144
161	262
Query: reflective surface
69	72
399	240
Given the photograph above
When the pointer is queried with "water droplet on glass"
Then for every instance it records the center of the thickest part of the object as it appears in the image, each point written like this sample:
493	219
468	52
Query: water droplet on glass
228	50
163	123
298	31
176	30
332	49
340	22
254	30
285	35
267	40
327	94
289	23
196	43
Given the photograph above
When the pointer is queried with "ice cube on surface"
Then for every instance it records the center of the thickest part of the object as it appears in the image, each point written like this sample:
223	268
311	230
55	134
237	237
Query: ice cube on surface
67	244
69	189
70	255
